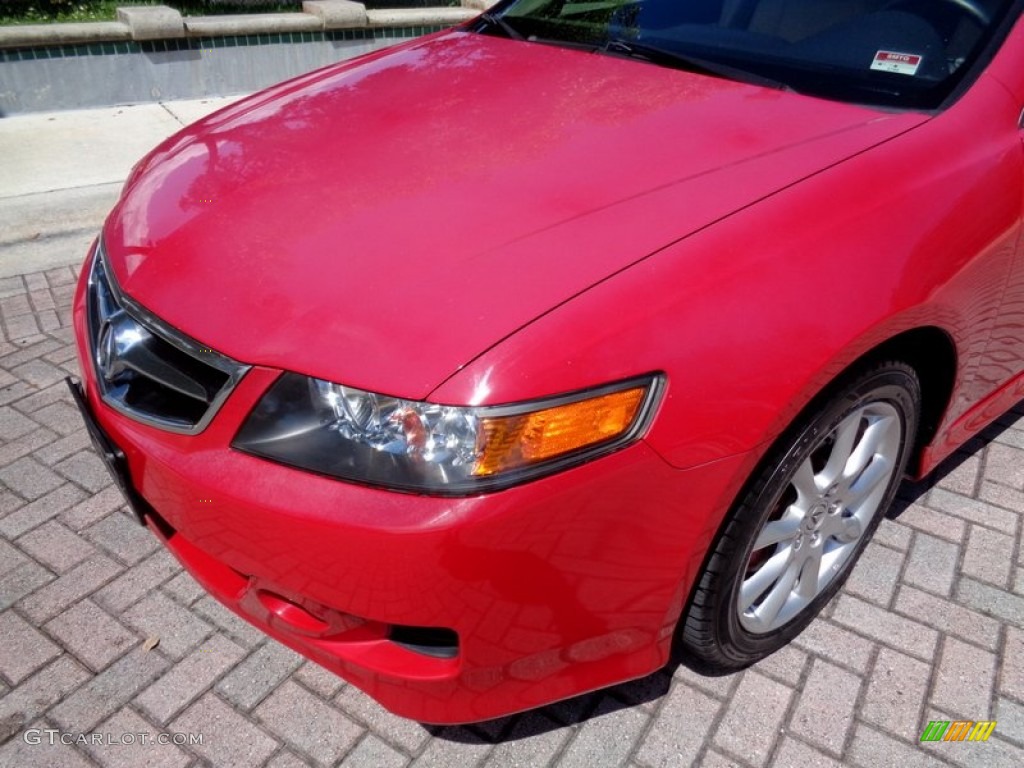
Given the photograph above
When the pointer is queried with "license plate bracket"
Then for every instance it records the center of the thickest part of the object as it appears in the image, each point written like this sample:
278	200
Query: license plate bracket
113	457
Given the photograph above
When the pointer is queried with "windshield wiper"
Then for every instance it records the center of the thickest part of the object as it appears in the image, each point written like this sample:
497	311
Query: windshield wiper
690	63
497	22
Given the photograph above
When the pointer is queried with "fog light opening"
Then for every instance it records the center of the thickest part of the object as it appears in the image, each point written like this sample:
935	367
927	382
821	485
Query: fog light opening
439	642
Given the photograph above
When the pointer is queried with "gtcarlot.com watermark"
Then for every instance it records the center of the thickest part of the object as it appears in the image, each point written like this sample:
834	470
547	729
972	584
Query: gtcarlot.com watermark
99	738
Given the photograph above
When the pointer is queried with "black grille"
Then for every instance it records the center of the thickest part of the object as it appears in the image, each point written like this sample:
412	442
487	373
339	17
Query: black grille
148	370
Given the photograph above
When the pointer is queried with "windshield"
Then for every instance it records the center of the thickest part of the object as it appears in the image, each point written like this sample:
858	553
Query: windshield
904	53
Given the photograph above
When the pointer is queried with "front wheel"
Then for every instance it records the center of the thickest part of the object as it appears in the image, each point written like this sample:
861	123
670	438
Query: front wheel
805	518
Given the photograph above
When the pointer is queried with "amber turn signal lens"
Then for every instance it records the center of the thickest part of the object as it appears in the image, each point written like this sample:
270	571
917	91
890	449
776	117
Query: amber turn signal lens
509	442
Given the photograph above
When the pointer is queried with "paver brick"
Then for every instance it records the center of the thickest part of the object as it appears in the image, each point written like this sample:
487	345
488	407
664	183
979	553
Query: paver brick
964	684
896	694
948	616
298	717
49	752
235	627
122	537
108	691
319	680
20	581
47	602
893	535
55	546
29	479
134	744
793	754
721	686
138	581
824	711
989	556
287	759
408	735
932	564
785	665
39	373
63	418
1010	716
871	749
837	644
261	672
92	634
14	425
94	508
453	746
1005	464
371	752
988	599
228	738
754	715
10	557
179	629
608	736
1011	673
185	589
23	649
876	575
963	477
929	521
534	740
183	682
39	511
904	634
1000	495
86	469
680	728
42	690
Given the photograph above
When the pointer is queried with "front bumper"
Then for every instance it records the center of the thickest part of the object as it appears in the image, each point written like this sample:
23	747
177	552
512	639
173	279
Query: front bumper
553	588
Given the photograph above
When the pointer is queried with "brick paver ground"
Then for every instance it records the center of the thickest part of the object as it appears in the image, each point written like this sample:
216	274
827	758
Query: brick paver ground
930	626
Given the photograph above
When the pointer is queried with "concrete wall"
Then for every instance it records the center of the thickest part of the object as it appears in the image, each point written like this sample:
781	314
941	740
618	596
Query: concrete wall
153	53
66	79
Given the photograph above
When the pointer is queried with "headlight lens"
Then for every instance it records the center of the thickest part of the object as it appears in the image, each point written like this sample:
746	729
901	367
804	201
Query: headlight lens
419	446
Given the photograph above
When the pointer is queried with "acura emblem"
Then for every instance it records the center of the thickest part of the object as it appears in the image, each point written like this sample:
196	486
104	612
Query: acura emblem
119	335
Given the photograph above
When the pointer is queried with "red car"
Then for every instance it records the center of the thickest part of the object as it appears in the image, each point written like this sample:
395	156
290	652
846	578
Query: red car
483	369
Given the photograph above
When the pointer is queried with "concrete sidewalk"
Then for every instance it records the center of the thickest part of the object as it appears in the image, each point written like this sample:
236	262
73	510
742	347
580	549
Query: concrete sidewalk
61	173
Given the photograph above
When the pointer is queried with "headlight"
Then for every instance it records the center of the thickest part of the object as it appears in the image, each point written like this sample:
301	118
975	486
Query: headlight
442	449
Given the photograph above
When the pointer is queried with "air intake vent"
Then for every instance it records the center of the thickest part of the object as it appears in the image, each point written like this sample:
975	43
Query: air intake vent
148	370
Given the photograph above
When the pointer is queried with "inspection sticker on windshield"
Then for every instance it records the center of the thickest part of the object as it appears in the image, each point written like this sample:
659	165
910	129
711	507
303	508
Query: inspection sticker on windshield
900	63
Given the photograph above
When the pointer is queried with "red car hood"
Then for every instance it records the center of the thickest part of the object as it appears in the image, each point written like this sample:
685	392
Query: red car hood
383	221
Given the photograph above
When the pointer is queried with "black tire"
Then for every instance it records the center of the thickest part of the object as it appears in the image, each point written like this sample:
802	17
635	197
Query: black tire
825	519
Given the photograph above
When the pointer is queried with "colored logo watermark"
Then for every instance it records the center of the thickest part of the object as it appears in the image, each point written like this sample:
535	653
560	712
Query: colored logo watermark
958	730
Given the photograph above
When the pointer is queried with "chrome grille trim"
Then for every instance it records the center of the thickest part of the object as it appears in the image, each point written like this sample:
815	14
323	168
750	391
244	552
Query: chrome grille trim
150	358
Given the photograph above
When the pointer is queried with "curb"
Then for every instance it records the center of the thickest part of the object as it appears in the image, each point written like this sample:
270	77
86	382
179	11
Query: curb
159	22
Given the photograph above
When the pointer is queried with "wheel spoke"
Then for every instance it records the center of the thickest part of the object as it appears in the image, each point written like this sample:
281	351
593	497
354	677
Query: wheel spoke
776	531
846	436
808	585
765	576
874	438
804	483
878	471
769	609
